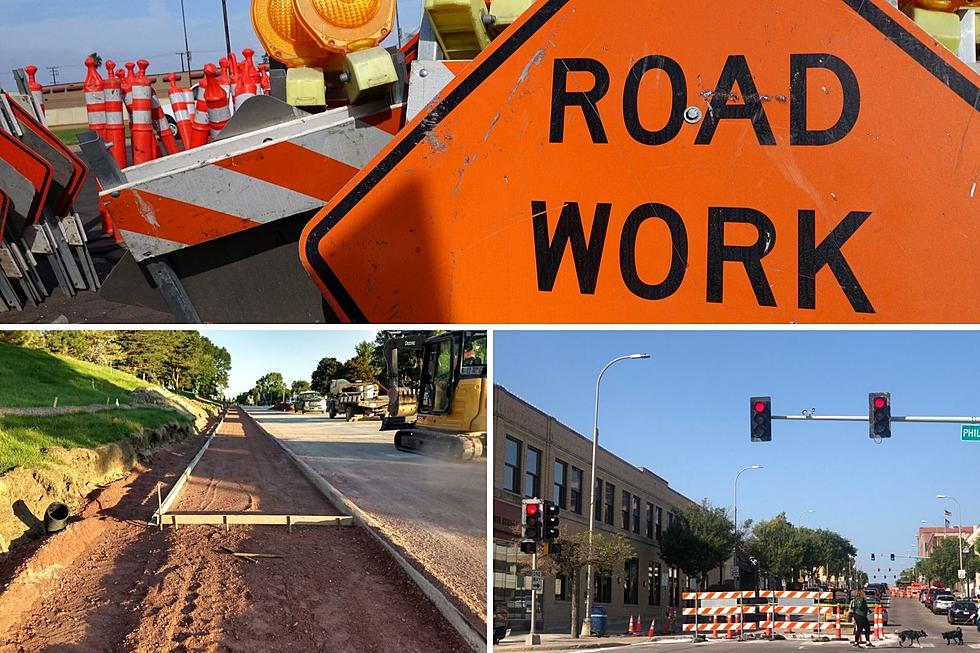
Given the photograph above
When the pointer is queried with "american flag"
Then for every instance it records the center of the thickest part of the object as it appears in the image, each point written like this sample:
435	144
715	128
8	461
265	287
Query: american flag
947	523
948	513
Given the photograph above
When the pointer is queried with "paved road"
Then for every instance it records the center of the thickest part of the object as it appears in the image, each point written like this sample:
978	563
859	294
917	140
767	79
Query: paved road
434	510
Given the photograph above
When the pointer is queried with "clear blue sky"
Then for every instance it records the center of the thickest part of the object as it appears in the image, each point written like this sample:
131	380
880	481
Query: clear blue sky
684	414
61	33
294	354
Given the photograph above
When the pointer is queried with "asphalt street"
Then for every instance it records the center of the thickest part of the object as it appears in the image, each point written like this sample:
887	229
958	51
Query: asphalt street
434	510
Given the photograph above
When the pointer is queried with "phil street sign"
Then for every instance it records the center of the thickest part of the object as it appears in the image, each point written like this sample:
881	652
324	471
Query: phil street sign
655	161
970	432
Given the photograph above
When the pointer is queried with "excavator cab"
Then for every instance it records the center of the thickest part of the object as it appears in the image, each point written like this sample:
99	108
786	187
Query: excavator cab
451	419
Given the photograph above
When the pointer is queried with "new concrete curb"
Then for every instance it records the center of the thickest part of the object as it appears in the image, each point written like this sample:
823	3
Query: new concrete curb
470	635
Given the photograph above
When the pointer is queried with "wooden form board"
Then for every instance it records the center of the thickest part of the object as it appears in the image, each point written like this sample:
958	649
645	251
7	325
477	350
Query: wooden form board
213	519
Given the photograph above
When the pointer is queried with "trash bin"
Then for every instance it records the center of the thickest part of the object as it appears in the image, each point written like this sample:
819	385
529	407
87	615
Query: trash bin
599	619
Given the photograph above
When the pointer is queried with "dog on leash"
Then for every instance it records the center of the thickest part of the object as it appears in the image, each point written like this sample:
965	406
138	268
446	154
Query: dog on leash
953	636
911	636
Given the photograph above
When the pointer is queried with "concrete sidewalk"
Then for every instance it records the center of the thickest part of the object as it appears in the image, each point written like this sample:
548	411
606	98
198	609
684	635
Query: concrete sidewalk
565	642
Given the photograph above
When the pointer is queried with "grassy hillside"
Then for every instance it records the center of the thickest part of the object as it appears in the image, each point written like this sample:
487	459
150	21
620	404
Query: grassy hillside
30	378
23	438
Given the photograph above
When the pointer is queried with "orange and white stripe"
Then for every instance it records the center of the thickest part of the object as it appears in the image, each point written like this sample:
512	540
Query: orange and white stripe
793	594
790	626
272	173
705	596
797	609
715	612
714	628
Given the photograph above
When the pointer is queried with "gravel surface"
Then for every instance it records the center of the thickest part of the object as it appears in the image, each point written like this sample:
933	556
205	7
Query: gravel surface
112	583
245	471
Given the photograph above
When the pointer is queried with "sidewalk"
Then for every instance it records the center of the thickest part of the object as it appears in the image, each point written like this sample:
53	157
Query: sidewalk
565	642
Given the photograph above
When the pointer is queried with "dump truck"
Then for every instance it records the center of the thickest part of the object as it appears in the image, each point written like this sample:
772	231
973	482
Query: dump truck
450	419
480	171
356	400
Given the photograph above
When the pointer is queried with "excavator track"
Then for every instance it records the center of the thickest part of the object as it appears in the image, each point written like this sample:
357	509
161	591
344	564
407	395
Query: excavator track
450	446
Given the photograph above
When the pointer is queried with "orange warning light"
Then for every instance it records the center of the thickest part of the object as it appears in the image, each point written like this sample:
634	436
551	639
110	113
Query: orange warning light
344	26
283	35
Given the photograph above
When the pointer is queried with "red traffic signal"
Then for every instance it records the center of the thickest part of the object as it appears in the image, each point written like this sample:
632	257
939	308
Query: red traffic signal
879	415
760	419
531	520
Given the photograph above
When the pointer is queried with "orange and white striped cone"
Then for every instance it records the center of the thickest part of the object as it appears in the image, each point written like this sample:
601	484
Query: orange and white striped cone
178	101
37	91
638	628
224	80
115	130
244	89
264	82
837	634
219	111
629	628
94	99
201	127
653	628
248	66
144	144
877	623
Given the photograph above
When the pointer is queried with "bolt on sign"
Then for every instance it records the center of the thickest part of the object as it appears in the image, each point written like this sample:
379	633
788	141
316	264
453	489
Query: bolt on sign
653	162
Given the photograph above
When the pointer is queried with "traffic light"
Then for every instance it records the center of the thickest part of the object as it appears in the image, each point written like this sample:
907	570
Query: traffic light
880	414
893	557
550	521
760	416
531	520
872	557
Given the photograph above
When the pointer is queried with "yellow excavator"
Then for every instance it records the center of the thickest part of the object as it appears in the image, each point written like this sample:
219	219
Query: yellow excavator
450	419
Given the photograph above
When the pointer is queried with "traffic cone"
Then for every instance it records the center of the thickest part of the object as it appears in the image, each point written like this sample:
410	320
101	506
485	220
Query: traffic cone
217	100
37	91
178	101
244	89
264	82
201	127
94	99
115	130
629	629
224	80
144	144
652	631
248	65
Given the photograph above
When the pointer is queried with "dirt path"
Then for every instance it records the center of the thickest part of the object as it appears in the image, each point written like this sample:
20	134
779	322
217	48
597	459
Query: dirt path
112	583
243	470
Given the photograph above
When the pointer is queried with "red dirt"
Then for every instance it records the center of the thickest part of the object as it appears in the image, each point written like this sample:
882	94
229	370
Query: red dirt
112	583
243	470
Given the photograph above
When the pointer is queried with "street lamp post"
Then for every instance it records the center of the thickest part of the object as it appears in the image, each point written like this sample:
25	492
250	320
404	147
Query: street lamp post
587	620
959	537
735	513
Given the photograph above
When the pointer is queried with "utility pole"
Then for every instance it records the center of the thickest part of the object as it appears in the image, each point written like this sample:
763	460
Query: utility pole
187	48
533	639
224	13
183	68
54	74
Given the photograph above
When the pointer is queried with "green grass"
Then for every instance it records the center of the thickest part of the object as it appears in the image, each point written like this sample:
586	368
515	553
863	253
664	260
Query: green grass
22	438
69	134
31	378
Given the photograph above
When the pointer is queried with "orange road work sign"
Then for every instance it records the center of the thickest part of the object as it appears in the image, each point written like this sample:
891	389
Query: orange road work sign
625	161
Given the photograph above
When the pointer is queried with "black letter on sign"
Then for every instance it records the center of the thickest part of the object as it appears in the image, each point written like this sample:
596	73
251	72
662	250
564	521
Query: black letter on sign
678	87
627	251
750	256
587	100
736	70
828	253
586	257
798	133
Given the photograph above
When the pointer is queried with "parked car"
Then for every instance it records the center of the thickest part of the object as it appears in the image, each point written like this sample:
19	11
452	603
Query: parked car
962	612
310	402
501	620
942	602
932	593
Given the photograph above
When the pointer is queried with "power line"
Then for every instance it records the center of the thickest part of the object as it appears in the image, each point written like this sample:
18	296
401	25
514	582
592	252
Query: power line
54	74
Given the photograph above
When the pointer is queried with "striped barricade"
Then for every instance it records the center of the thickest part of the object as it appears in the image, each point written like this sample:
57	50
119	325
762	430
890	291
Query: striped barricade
790	603
705	596
719	628
722	604
797	626
796	609
794	594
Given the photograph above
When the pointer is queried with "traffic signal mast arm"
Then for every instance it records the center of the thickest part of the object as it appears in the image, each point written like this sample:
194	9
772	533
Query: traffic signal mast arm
936	419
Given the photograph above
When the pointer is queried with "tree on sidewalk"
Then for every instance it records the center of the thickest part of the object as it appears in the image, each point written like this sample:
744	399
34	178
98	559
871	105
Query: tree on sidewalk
700	538
778	547
609	553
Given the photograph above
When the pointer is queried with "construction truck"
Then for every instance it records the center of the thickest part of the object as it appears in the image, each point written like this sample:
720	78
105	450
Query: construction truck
476	173
450	420
356	400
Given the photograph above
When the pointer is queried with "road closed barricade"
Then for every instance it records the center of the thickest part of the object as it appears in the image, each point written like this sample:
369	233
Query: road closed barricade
796	611
710	607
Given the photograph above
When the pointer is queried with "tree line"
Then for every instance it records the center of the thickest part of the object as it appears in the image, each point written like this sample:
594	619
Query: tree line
178	360
943	564
701	539
367	365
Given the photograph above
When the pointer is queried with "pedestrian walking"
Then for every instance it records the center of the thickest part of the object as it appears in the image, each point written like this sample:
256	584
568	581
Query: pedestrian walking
859	612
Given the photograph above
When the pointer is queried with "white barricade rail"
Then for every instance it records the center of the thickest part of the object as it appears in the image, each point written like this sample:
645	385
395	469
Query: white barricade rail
716	628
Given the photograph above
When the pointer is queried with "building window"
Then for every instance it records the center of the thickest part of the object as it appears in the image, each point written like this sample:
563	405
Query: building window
660	519
561	482
597	500
626	510
576	497
532	473
650	520
653	580
603	588
610	503
673	587
670	519
636	514
561	588
631	583
512	465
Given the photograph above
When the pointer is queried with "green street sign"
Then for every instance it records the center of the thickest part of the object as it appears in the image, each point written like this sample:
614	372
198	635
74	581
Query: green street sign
970	432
